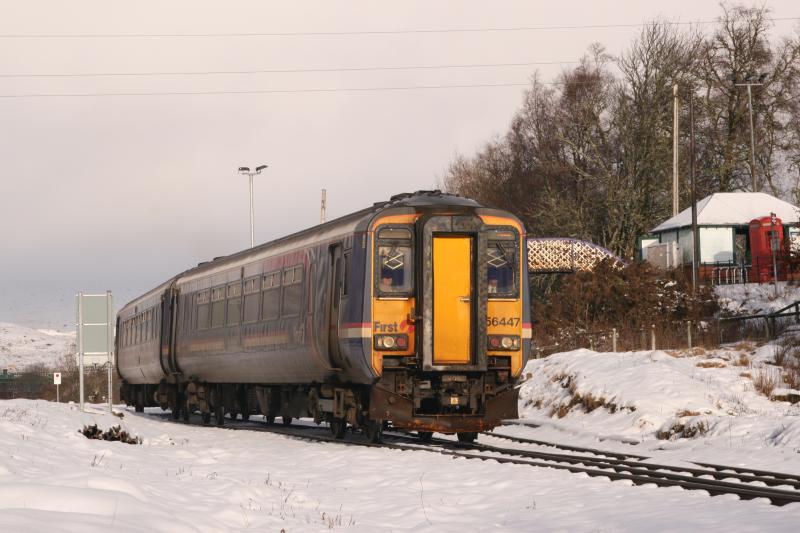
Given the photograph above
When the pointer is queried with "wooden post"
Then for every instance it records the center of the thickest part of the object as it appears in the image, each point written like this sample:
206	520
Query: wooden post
689	334
614	339
652	336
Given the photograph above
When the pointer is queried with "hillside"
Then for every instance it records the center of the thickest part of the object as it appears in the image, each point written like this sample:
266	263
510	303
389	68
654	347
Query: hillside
21	347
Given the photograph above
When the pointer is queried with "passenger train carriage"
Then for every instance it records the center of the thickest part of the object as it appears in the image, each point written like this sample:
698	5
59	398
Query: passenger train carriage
412	312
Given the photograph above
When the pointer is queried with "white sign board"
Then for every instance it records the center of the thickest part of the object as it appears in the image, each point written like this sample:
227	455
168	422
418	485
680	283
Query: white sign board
56	378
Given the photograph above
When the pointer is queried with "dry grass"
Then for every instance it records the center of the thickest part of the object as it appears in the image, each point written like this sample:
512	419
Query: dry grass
744	346
686	412
765	382
746	375
685	431
742	360
588	402
711	364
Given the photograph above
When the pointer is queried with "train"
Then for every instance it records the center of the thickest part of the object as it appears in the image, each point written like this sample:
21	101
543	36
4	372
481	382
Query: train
412	313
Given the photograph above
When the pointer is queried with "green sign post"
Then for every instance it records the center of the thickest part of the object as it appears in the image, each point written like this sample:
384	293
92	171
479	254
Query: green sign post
95	330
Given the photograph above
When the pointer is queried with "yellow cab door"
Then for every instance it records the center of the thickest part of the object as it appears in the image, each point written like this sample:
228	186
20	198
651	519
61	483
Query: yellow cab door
452	299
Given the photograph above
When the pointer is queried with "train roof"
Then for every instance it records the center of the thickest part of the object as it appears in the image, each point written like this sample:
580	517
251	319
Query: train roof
414	200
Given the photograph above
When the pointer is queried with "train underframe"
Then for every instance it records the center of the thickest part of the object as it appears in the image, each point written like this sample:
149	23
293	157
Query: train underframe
455	403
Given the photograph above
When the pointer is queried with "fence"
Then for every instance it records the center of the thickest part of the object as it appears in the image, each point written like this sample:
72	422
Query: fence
674	335
762	327
662	336
760	270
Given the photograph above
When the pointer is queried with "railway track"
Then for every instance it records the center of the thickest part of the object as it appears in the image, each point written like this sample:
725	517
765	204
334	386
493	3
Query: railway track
777	487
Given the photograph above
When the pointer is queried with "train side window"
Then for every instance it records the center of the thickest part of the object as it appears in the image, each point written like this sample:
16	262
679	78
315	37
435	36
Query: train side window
345	273
310	292
147	327
394	270
203	309
271	300
217	307
502	264
234	303
252	295
292	291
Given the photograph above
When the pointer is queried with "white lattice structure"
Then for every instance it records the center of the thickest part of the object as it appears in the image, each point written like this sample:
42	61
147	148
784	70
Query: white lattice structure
556	254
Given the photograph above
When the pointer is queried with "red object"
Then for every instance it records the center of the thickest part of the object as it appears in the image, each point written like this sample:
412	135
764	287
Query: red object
761	248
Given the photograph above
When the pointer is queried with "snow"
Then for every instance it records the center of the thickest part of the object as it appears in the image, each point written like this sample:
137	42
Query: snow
21	347
732	209
653	398
755	298
194	478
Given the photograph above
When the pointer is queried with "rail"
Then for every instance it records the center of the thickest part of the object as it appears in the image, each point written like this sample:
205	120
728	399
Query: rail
779	488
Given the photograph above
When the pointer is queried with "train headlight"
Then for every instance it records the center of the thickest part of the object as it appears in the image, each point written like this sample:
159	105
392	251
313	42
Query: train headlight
391	342
504	342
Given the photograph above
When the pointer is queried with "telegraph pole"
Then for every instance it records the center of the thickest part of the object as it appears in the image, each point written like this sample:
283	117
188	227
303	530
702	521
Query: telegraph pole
675	128
695	239
749	81
323	203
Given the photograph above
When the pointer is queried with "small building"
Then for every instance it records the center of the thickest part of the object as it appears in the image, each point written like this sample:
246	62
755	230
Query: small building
723	221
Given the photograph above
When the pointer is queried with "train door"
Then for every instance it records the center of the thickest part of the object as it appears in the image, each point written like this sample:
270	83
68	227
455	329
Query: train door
452	299
335	292
169	308
453	280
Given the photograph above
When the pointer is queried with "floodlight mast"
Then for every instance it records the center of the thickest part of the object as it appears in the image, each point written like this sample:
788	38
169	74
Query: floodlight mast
246	171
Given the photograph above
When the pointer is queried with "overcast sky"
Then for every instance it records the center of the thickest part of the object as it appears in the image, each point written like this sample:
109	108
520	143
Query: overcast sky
121	192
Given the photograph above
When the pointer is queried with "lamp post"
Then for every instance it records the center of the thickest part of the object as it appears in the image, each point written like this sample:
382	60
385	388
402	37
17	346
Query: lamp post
248	172
749	81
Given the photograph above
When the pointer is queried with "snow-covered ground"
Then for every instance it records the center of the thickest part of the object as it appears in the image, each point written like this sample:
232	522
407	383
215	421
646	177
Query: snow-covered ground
21	347
754	298
673	407
194	478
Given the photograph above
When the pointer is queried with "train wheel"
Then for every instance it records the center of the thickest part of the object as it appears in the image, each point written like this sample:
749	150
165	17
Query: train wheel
206	417
270	419
243	405
374	431
138	404
184	409
287	420
338	428
425	436
233	414
219	413
467	437
175	411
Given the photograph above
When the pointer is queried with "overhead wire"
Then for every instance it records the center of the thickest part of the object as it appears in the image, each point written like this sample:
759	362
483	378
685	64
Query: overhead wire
282	71
266	91
361	32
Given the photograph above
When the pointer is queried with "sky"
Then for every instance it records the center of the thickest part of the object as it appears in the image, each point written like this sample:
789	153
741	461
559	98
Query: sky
119	193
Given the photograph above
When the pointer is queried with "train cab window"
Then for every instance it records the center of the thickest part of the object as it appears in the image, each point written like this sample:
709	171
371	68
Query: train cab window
251	300
292	291
217	307
271	300
203	308
394	270
234	292
502	265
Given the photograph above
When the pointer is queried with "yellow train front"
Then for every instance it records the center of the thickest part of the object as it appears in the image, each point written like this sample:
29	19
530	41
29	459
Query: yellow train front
448	315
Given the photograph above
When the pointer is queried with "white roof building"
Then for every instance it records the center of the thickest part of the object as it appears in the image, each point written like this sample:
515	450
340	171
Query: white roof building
732	209
723	228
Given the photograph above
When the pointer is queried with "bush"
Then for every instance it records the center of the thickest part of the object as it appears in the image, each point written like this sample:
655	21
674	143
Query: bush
632	299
